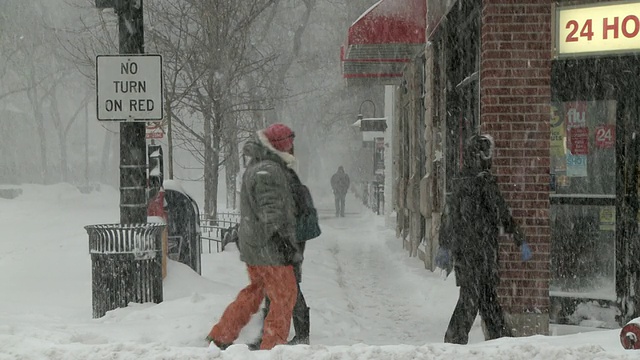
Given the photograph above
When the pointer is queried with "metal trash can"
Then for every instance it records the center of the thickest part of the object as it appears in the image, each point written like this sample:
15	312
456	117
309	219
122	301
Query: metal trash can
126	265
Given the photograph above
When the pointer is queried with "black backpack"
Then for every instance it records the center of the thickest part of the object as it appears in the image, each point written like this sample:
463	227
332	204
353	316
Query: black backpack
307	226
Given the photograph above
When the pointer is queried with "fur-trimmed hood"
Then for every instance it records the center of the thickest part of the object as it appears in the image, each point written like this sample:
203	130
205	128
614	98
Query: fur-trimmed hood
259	148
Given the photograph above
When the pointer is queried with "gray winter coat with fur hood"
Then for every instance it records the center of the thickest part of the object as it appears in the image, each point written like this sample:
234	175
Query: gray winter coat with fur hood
267	228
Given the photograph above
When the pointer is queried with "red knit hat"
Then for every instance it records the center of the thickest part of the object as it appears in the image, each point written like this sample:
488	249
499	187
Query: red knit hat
280	136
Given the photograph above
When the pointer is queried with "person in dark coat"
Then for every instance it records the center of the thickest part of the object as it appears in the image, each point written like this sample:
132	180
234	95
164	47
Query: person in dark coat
469	233
340	185
307	228
267	240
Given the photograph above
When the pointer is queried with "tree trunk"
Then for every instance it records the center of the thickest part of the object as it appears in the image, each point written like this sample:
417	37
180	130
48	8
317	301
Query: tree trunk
64	163
169	136
295	52
209	208
62	135
86	144
211	175
211	161
232	166
36	105
106	154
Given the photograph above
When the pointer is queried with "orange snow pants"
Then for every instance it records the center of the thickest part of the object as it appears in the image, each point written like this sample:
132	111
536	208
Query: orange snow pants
279	284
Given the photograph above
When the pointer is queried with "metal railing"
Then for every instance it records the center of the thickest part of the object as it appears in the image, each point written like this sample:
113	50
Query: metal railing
216	231
373	196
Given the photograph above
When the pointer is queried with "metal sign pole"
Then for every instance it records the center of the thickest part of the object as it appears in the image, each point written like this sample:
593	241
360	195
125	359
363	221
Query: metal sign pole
129	274
133	200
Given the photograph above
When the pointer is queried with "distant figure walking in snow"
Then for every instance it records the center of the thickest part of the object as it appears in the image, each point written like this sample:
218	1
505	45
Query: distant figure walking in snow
470	234
340	185
267	241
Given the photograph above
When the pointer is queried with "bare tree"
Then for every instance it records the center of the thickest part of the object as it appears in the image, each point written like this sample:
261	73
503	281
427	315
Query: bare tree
63	127
93	32
211	58
29	66
229	68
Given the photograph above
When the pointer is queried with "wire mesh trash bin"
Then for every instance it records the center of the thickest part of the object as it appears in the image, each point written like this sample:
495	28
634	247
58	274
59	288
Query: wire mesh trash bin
126	265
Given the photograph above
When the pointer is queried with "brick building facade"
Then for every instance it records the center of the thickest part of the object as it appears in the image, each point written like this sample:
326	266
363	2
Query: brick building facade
515	95
552	82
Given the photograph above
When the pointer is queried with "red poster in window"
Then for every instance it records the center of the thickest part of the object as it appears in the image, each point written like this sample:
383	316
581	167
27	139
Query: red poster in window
579	140
605	136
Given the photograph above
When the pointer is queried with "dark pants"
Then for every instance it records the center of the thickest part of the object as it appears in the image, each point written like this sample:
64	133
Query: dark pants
340	198
476	295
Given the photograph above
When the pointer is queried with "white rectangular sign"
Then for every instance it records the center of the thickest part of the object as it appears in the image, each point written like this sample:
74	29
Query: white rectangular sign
129	87
598	29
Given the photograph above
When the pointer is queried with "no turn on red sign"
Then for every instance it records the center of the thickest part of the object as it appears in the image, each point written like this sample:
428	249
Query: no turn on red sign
129	87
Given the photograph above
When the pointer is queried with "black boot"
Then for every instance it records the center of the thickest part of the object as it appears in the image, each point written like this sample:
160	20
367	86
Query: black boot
301	326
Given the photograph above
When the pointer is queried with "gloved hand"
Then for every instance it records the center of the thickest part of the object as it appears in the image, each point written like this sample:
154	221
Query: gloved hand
443	258
525	250
297	258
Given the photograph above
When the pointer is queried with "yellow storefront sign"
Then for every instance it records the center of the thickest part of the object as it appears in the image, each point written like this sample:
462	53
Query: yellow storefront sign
590	30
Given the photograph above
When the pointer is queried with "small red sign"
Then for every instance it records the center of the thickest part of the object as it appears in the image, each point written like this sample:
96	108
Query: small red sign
155	135
154	130
579	140
605	136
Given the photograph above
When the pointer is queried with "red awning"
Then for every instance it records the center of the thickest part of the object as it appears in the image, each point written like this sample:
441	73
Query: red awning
385	37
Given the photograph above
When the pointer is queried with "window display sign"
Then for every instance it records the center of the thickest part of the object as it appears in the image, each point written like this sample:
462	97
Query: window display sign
576	166
607	218
582	147
557	132
579	140
602	29
576	113
558	155
605	136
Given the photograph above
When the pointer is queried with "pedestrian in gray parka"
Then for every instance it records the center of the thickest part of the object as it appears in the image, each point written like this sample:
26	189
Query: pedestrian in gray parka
307	228
266	241
267	198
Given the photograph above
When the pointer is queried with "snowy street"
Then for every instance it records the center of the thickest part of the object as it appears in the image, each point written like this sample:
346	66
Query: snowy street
368	299
496	139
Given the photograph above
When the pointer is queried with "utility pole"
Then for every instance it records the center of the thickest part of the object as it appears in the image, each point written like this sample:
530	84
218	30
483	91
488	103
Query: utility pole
170	139
123	270
86	143
133	200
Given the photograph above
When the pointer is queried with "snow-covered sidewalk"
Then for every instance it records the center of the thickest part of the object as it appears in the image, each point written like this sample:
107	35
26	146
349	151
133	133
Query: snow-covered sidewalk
368	299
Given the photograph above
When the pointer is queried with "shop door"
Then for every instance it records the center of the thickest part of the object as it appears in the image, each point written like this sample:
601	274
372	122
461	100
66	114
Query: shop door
595	133
628	240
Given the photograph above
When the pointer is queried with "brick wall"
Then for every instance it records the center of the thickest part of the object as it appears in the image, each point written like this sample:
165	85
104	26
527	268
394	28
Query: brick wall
515	97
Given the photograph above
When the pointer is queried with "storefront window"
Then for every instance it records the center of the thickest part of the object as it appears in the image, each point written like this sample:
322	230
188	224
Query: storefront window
583	251
583	151
583	192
